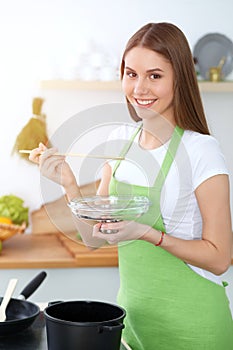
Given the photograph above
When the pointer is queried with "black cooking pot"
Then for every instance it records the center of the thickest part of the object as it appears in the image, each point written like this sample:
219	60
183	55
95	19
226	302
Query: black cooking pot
84	325
21	313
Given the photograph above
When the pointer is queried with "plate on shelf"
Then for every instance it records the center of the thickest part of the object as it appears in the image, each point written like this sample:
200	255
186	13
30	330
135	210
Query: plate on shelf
109	208
208	52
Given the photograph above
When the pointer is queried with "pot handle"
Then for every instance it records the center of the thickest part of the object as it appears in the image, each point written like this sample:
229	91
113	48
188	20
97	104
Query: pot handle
32	286
116	327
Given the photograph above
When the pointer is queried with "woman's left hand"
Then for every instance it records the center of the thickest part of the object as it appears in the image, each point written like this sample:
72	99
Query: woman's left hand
127	231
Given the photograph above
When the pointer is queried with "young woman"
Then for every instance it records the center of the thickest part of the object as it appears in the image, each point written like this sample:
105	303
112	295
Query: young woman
171	266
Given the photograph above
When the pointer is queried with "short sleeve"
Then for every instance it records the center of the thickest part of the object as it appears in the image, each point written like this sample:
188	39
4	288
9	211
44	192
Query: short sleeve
208	160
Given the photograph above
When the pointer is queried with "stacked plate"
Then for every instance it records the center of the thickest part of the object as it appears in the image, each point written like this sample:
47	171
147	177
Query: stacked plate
210	50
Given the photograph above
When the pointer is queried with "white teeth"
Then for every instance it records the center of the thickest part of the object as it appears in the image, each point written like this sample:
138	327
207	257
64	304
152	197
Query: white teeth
145	102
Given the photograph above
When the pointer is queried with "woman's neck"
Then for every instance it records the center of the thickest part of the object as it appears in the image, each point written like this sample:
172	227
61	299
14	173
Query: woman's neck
155	133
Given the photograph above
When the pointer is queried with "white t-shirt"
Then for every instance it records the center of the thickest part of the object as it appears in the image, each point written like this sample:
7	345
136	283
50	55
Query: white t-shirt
198	158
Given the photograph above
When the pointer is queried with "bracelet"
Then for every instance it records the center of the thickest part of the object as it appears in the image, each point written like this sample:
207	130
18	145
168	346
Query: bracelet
161	239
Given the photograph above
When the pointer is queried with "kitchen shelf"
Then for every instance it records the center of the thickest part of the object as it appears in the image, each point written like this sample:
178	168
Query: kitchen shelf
81	85
205	86
221	86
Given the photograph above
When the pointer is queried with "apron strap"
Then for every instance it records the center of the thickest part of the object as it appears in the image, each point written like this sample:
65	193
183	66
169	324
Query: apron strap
126	148
169	157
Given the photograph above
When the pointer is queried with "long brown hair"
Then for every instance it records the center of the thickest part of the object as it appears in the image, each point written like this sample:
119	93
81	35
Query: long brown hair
169	41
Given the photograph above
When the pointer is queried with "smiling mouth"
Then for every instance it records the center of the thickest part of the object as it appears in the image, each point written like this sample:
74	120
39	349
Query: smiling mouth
145	103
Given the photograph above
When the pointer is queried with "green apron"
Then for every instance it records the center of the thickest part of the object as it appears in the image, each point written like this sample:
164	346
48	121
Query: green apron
168	305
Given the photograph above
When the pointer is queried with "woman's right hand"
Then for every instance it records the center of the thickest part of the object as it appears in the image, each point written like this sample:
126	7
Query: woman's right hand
53	166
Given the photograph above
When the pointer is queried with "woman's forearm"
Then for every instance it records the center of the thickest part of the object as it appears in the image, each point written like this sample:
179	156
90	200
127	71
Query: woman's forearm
201	253
72	191
85	229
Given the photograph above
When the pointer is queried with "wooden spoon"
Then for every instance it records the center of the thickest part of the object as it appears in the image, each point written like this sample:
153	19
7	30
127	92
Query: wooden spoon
9	291
82	155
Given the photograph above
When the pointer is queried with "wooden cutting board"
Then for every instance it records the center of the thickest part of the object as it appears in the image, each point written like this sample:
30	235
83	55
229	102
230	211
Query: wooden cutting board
56	216
53	250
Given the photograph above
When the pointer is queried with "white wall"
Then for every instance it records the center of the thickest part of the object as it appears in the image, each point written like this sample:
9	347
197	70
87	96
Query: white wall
78	284
66	284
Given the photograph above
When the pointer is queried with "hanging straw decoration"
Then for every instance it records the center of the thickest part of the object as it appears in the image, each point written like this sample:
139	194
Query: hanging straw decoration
34	131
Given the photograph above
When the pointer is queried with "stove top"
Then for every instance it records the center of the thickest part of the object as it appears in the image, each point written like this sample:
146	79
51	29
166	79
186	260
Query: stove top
33	338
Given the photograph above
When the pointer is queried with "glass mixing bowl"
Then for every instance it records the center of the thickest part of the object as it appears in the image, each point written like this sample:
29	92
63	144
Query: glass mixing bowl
109	208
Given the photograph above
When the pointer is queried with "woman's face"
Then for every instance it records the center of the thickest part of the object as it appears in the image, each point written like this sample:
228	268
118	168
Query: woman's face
148	83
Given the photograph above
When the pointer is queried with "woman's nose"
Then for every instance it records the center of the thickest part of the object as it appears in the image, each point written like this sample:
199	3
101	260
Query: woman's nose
141	87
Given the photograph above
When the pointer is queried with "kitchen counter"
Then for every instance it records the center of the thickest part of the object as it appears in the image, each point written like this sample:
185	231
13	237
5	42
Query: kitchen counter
53	250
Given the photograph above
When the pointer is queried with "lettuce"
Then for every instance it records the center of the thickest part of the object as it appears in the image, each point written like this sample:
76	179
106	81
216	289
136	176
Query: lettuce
12	208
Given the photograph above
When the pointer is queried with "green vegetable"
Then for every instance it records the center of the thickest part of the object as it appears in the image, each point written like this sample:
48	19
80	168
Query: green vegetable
12	208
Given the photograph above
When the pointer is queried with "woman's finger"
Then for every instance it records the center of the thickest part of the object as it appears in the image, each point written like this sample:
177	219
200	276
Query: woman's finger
96	228
42	147
48	152
96	231
34	155
48	157
113	225
111	238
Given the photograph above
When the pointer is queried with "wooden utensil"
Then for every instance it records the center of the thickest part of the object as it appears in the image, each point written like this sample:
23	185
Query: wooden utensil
9	291
82	155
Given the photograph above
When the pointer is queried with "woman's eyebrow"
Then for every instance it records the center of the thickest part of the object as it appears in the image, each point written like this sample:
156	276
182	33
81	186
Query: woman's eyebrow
126	67
154	70
148	71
